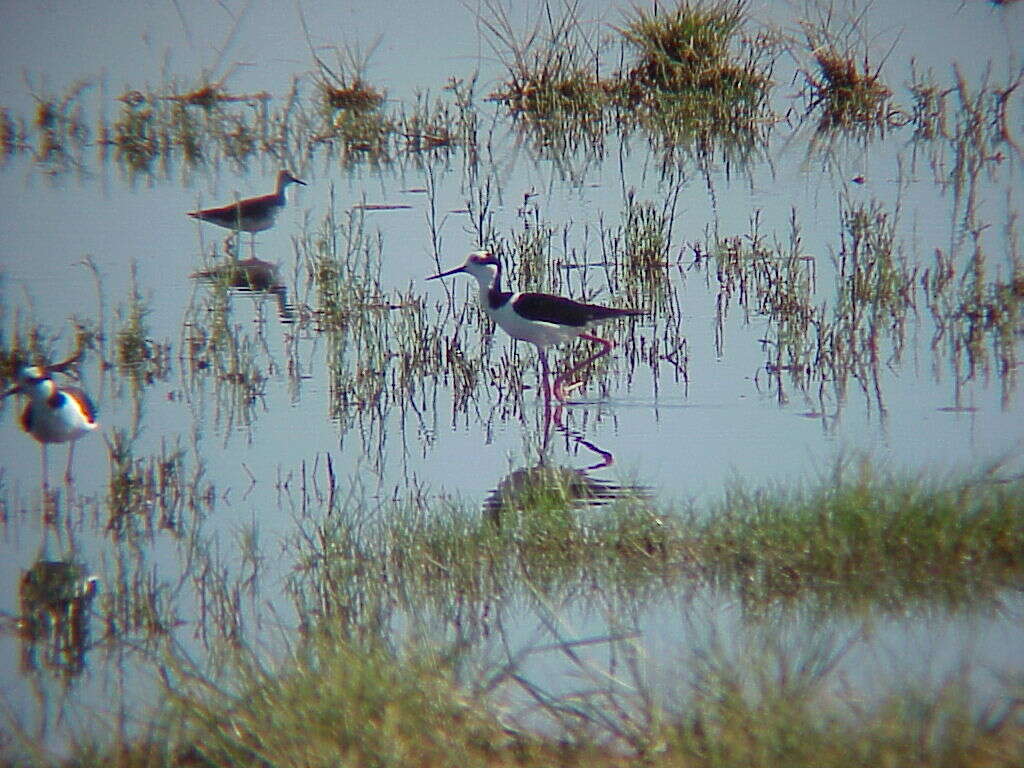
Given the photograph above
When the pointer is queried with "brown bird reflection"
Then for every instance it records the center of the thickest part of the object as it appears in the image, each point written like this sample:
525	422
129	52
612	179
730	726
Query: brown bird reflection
251	275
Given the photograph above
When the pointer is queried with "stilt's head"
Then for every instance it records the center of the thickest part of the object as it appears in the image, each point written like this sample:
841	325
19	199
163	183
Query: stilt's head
483	265
35	382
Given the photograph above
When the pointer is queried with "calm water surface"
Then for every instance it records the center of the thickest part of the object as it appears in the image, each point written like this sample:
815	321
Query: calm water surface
682	439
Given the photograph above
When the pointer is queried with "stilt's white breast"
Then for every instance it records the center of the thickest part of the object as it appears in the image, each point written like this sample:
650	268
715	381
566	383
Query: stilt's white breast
538	332
50	422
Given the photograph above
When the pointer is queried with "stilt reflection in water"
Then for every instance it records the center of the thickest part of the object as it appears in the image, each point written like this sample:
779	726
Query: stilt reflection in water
548	485
55	596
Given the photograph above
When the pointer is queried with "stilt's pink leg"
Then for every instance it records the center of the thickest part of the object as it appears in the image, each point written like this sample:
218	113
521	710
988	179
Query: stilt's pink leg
45	465
71	457
545	375
562	389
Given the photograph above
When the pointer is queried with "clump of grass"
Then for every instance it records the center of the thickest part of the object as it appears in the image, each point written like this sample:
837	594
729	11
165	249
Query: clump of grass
355	95
135	135
137	355
849	93
688	52
351	106
698	83
345	87
552	67
60	128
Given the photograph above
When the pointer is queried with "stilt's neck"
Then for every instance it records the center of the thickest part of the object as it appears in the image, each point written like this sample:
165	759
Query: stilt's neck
488	277
36	383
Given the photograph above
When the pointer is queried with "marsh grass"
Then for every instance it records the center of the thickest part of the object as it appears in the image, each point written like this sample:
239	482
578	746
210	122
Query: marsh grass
824	344
154	493
225	357
24	342
137	355
203	124
689	52
429	124
349	689
859	538
13	135
847	92
976	314
383	349
336	700
842	83
60	128
552	67
135	135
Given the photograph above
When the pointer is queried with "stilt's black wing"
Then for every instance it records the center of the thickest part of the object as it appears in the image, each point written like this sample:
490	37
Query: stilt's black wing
548	308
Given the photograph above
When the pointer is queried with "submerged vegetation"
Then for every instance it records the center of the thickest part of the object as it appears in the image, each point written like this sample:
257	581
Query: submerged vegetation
294	613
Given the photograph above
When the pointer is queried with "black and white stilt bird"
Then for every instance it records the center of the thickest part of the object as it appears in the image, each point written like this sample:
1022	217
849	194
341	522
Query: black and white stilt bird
542	319
53	414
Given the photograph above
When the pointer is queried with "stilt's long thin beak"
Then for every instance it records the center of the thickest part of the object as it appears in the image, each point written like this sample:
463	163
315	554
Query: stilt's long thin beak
449	272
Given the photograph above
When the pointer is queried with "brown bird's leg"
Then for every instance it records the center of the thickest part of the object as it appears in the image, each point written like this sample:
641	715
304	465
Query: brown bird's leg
561	388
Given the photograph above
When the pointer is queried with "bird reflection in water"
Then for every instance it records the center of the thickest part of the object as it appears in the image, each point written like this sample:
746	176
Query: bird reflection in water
251	275
55	596
547	484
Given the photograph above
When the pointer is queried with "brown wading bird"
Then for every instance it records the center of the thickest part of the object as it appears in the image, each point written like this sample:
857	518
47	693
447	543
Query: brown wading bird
254	214
542	319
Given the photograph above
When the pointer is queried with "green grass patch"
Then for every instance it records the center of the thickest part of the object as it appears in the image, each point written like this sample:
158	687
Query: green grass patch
859	539
334	699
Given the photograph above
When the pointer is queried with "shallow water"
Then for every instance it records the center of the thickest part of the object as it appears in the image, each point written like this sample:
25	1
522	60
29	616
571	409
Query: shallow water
683	439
